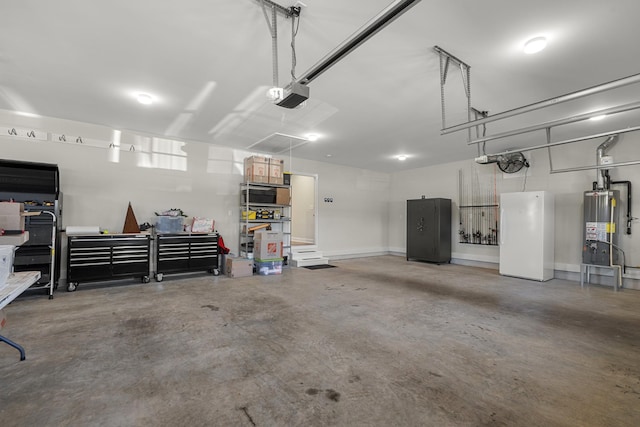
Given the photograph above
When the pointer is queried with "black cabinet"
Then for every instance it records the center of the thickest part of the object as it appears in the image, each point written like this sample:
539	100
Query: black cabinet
429	230
184	252
107	257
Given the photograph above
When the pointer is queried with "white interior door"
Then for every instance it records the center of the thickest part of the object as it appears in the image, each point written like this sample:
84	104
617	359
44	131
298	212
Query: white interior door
304	211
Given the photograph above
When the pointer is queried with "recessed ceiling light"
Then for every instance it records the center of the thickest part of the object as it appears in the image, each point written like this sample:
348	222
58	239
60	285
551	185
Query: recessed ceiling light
402	157
329	155
312	137
535	45
144	98
596	118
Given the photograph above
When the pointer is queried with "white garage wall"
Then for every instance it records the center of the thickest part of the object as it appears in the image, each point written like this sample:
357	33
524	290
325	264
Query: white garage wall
356	222
199	178
442	181
367	215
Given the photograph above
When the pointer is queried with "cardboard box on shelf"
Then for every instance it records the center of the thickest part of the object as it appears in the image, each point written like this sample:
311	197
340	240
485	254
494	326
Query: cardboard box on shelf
276	168
283	196
14	239
256	169
239	267
12	216
267	245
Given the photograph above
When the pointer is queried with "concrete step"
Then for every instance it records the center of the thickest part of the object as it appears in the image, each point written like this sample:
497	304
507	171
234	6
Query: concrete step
309	262
306	258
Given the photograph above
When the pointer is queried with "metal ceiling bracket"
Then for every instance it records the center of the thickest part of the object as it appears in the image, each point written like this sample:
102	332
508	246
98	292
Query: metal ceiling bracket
445	59
286	11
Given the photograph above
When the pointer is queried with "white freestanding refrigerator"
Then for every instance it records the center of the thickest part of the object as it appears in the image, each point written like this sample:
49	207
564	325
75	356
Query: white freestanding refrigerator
527	235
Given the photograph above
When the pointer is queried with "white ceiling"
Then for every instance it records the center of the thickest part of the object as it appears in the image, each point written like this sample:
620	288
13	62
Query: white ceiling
208	63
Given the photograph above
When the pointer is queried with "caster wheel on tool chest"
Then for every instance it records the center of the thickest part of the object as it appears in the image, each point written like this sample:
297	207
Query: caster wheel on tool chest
214	271
145	279
159	277
72	286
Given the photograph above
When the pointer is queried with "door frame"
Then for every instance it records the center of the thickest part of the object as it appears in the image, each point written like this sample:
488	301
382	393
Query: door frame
315	213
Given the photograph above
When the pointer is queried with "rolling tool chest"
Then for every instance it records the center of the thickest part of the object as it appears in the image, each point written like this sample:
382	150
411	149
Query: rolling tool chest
107	257
185	252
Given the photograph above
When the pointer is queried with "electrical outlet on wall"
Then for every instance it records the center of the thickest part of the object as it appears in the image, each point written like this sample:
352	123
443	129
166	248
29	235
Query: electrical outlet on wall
328	199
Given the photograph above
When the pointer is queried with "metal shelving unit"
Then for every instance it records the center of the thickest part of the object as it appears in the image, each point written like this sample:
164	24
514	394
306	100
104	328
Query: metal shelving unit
282	223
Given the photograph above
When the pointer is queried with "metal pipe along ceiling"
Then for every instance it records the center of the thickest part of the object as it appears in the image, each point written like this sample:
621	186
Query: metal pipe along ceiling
546	103
569	141
559	122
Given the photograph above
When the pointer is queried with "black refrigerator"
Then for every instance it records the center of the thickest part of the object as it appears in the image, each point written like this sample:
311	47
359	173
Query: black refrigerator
429	230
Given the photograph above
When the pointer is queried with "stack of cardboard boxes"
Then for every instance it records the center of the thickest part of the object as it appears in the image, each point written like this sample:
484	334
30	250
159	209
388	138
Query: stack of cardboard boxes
263	170
268	252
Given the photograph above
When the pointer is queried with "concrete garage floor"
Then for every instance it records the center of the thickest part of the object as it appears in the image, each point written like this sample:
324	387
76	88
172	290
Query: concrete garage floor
377	341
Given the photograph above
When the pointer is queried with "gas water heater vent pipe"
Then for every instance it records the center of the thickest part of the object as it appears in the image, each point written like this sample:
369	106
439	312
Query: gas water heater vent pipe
602	148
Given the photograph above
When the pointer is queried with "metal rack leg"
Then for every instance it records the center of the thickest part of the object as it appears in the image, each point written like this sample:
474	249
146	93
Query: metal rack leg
617	279
14	345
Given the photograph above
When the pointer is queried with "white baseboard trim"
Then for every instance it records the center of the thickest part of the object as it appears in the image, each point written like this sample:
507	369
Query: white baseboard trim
474	263
337	255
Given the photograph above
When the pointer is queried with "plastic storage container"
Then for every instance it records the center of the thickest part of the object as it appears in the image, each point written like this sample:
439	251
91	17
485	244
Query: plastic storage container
169	224
267	268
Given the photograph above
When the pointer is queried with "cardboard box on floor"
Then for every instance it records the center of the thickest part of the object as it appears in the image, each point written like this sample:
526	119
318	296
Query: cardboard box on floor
239	267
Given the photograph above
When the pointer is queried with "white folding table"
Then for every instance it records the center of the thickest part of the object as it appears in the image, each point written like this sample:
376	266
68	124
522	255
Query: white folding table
16	284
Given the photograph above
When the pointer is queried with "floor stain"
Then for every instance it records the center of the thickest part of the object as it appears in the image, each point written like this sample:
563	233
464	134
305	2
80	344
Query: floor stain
312	391
354	378
329	393
332	395
212	307
140	324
